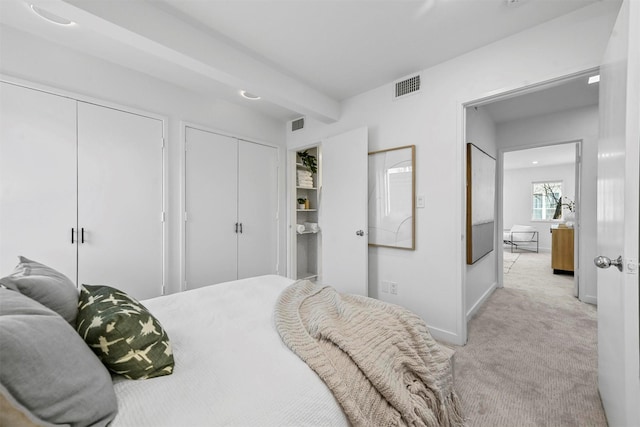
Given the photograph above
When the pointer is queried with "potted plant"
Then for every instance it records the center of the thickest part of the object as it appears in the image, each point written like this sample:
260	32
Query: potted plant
302	202
309	161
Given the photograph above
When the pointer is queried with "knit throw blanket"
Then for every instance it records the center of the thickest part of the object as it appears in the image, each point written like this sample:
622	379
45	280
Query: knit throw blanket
378	359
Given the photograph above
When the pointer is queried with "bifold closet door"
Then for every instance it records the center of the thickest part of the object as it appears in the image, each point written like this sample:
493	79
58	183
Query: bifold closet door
257	209
120	206
37	178
211	192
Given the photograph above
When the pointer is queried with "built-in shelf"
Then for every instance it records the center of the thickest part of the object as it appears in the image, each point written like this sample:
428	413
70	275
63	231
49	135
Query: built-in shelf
307	242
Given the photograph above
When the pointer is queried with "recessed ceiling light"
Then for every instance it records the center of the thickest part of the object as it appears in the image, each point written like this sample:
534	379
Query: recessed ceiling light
594	79
535	162
248	95
51	17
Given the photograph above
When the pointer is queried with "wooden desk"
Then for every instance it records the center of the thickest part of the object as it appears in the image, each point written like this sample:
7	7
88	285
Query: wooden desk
562	249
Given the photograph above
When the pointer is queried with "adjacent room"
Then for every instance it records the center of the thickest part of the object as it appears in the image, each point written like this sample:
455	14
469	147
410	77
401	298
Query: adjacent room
319	213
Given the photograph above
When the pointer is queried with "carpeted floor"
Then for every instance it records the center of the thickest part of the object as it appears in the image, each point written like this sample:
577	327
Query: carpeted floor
531	358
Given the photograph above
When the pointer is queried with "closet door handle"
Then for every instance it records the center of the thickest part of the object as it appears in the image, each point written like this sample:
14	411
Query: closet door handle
73	235
240	228
236	227
82	235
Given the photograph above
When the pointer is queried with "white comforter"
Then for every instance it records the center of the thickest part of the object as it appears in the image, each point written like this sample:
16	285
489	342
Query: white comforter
232	368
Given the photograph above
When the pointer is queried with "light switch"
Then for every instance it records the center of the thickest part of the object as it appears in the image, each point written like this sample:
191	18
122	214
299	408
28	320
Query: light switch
420	201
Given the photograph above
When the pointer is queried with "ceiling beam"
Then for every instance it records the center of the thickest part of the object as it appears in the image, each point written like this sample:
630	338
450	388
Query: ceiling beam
168	38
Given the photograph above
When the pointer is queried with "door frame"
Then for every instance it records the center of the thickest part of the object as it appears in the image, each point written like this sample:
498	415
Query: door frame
577	201
477	101
182	191
124	108
292	260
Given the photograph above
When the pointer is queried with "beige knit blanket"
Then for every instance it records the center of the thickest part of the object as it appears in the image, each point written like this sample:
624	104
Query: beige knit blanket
378	359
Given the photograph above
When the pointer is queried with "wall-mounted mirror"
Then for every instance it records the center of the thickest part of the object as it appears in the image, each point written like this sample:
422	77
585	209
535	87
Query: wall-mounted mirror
392	197
481	184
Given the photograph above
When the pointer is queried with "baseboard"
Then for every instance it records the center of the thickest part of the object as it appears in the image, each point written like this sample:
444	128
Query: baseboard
446	337
590	299
481	301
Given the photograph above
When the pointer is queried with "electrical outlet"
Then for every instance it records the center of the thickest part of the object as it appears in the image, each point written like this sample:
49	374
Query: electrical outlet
393	288
384	286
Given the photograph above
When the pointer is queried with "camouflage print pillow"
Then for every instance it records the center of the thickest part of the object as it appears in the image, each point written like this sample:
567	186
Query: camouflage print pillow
124	335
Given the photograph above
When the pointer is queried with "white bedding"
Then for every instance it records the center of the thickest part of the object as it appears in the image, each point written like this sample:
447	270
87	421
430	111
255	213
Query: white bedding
232	368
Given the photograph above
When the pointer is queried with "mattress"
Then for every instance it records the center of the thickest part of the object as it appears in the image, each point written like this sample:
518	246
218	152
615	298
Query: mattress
231	367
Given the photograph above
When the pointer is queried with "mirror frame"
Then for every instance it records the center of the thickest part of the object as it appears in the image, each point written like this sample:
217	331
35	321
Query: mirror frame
480	221
409	152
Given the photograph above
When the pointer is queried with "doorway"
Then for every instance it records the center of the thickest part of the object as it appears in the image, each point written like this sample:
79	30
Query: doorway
564	110
540	199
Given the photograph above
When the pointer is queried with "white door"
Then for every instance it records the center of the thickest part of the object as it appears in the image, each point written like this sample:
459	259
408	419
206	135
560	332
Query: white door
37	179
618	354
343	211
257	209
120	179
211	192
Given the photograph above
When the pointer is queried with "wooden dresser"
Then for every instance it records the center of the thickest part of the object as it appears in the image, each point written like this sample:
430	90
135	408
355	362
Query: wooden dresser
562	249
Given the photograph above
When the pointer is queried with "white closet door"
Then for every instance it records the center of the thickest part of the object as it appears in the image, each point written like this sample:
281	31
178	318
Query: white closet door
343	212
258	209
120	178
211	189
37	178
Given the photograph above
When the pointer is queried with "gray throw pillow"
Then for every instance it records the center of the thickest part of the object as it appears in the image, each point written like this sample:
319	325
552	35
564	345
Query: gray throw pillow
127	338
45	285
47	368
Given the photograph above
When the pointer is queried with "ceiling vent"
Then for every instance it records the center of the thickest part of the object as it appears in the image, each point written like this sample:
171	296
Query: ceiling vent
406	87
297	124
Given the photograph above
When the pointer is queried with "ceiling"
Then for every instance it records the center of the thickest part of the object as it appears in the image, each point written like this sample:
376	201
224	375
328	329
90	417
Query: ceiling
543	156
561	96
302	56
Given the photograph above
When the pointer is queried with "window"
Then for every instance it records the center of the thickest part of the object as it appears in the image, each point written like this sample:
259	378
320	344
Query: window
546	198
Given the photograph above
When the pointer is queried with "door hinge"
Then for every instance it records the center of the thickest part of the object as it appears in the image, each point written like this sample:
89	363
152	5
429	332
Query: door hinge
162	143
162	217
185	217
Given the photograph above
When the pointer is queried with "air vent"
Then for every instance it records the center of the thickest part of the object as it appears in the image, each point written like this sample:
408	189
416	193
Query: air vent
407	87
297	124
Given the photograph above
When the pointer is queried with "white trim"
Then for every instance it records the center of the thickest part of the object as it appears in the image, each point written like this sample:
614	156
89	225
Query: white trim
126	109
182	183
80	97
481	301
445	336
475	101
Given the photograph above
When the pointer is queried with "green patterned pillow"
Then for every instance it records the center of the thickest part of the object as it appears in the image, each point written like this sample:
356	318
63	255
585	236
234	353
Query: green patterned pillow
124	335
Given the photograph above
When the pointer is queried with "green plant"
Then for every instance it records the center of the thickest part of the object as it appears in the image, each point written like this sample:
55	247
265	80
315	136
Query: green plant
309	161
301	200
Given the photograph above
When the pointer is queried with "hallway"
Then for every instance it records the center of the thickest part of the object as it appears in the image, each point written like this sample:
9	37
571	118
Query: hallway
531	358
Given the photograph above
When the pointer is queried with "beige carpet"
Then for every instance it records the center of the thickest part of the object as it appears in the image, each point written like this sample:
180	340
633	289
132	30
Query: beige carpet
509	259
531	356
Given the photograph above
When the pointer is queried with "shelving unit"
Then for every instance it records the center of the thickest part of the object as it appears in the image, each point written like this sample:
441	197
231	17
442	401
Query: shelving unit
306	242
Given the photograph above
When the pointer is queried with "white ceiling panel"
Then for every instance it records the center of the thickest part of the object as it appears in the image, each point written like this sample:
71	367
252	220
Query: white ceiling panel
302	56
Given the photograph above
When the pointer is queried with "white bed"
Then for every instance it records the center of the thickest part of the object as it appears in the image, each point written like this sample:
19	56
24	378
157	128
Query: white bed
252	352
231	362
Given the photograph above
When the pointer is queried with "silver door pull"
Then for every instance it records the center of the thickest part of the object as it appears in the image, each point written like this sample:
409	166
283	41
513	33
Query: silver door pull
359	233
604	262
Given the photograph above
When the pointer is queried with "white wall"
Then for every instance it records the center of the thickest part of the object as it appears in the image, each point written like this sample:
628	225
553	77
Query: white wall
31	58
481	277
571	125
431	277
517	202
